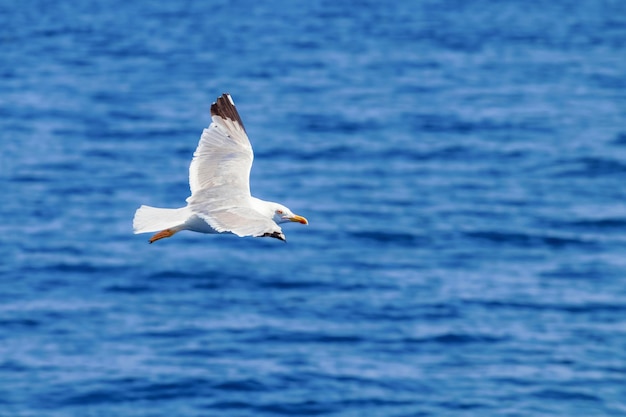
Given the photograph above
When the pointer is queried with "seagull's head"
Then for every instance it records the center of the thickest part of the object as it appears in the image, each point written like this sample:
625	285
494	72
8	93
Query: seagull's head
283	215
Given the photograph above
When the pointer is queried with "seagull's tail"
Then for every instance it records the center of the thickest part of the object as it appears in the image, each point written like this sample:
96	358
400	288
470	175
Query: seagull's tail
153	219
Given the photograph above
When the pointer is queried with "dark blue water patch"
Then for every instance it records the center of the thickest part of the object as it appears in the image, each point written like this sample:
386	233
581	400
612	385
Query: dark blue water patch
566	395
13	366
437	123
454	152
179	333
63	165
585	167
582	308
592	307
283	284
517	382
465	405
620	139
456	339
262	73
105	154
229	405
608	224
189	275
616	371
243	385
221	347
584	271
129	289
389	237
393	343
148	134
31	178
610	82
180	389
427	312
308	45
529	240
213	284
334	124
129	115
297	337
19	323
390	263
327	153
93	397
74	267
127	390
393	314
303	408
204	280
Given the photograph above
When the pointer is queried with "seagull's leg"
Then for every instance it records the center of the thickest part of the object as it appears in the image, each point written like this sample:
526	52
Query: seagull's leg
163	234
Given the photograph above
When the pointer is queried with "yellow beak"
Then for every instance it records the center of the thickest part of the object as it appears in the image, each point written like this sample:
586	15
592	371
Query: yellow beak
299	219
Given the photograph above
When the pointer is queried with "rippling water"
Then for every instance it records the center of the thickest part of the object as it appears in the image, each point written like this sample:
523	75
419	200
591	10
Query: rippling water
462	166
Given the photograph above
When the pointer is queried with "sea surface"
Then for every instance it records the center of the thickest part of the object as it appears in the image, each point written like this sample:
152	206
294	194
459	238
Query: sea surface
462	165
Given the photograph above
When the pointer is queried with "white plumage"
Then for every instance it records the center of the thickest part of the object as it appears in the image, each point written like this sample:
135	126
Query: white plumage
219	179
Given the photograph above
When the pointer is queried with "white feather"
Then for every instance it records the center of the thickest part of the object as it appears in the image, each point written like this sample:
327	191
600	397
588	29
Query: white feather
224	156
153	219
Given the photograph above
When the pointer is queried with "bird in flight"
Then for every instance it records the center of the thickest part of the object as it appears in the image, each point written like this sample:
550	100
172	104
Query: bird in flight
219	178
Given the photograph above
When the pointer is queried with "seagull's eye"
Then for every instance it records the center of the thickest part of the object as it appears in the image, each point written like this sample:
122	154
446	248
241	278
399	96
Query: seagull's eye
279	211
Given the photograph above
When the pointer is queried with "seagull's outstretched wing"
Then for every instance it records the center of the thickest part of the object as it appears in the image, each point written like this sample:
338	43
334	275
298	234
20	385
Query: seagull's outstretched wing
219	176
242	221
226	211
224	154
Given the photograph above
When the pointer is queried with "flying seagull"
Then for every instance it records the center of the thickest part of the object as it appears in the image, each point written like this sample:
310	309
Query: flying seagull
219	178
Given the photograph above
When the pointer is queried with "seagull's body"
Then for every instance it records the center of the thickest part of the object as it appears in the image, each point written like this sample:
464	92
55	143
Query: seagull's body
220	200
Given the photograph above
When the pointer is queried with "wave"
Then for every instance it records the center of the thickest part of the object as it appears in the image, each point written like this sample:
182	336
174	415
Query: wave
528	240
583	167
399	238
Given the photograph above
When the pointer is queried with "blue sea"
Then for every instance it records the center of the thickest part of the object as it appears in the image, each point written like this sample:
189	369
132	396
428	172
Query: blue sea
462	165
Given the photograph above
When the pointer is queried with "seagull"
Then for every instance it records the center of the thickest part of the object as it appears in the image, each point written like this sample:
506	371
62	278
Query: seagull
219	179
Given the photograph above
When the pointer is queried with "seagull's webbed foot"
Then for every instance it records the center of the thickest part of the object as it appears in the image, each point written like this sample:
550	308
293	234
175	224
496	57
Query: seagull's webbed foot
163	234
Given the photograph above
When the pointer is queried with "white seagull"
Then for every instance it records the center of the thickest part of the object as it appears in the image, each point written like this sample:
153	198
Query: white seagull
219	178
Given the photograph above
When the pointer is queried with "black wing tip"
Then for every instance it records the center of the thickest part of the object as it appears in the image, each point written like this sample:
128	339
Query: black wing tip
275	235
224	107
221	103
